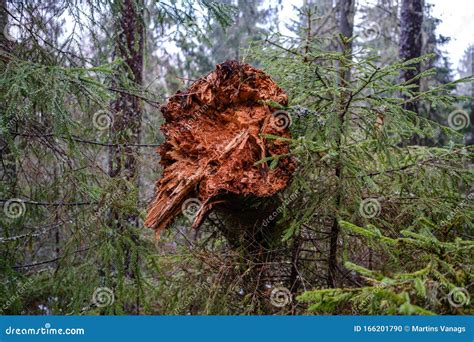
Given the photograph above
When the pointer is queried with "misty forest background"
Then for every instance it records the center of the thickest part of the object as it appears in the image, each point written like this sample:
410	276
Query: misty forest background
377	220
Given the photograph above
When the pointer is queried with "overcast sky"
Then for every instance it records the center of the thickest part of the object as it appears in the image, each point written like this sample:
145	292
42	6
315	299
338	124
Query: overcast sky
457	22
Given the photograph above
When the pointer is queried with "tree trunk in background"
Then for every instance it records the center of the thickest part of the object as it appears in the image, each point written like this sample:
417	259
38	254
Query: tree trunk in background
470	140
7	159
345	15
3	24
346	11
411	41
127	117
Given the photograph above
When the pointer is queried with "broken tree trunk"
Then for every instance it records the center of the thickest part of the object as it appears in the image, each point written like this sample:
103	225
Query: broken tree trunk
216	132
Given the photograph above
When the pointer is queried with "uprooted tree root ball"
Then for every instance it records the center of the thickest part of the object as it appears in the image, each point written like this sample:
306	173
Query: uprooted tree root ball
216	133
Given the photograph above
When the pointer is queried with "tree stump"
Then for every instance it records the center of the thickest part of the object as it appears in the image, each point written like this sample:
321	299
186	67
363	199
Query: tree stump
216	133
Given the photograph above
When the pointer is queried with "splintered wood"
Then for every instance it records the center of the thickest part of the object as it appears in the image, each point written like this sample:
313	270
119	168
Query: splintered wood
215	135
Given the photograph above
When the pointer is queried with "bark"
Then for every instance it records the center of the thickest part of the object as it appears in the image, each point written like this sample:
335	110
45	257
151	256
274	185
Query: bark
127	109
338	173
7	158
127	114
470	140
411	41
3	23
346	9
345	13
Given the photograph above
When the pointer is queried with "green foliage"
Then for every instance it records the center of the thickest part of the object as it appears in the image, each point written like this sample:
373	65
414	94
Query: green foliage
408	207
401	213
64	246
188	12
36	92
425	276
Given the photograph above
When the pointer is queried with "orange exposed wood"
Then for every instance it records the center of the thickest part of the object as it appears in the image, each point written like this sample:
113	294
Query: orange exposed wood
215	133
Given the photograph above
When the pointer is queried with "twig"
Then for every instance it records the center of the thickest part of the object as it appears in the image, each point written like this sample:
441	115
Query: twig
84	141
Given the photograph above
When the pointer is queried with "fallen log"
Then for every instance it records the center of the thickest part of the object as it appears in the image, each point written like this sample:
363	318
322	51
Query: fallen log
216	131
